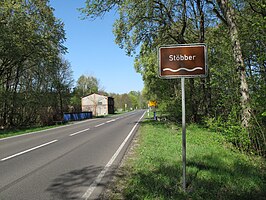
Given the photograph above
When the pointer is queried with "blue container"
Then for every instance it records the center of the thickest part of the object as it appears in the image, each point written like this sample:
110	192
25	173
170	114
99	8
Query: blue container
77	116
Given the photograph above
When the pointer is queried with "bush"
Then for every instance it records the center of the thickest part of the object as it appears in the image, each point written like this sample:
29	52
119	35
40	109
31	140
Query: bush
231	129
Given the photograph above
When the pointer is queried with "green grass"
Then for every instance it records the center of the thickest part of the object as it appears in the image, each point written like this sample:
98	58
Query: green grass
214	170
14	132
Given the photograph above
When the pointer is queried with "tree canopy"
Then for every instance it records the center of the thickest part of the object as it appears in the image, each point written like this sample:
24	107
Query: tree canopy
35	80
234	31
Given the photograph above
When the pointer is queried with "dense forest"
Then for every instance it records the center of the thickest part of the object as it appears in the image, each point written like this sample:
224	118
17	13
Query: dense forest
231	100
35	79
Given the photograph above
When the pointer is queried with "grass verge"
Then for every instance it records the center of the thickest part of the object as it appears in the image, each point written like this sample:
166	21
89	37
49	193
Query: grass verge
153	169
14	132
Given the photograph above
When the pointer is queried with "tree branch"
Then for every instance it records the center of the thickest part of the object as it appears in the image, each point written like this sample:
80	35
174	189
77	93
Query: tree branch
216	11
259	12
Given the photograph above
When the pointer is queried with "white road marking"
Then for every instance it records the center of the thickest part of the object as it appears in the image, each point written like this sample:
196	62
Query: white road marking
111	120
28	150
59	127
46	130
99	125
79	132
108	165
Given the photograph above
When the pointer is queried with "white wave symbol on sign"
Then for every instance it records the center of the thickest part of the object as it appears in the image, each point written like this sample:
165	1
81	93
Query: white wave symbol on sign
177	70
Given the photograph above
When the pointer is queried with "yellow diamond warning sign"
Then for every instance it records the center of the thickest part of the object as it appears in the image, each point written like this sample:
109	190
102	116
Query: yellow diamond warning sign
152	103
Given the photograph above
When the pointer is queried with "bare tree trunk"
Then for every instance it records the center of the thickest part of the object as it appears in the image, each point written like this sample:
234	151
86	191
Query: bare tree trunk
229	14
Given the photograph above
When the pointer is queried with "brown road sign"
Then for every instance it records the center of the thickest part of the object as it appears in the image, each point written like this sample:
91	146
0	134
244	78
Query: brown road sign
183	61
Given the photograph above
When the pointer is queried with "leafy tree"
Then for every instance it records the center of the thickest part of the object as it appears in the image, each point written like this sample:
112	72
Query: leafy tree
135	98
253	25
132	100
62	81
236	57
226	12
31	40
87	85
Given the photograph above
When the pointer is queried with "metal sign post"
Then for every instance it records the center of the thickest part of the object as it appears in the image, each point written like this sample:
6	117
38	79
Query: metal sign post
183	61
184	145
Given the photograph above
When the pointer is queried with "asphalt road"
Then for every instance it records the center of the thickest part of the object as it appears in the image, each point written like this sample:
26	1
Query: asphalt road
69	162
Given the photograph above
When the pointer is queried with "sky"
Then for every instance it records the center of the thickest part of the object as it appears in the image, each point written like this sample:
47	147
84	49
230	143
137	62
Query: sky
92	50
